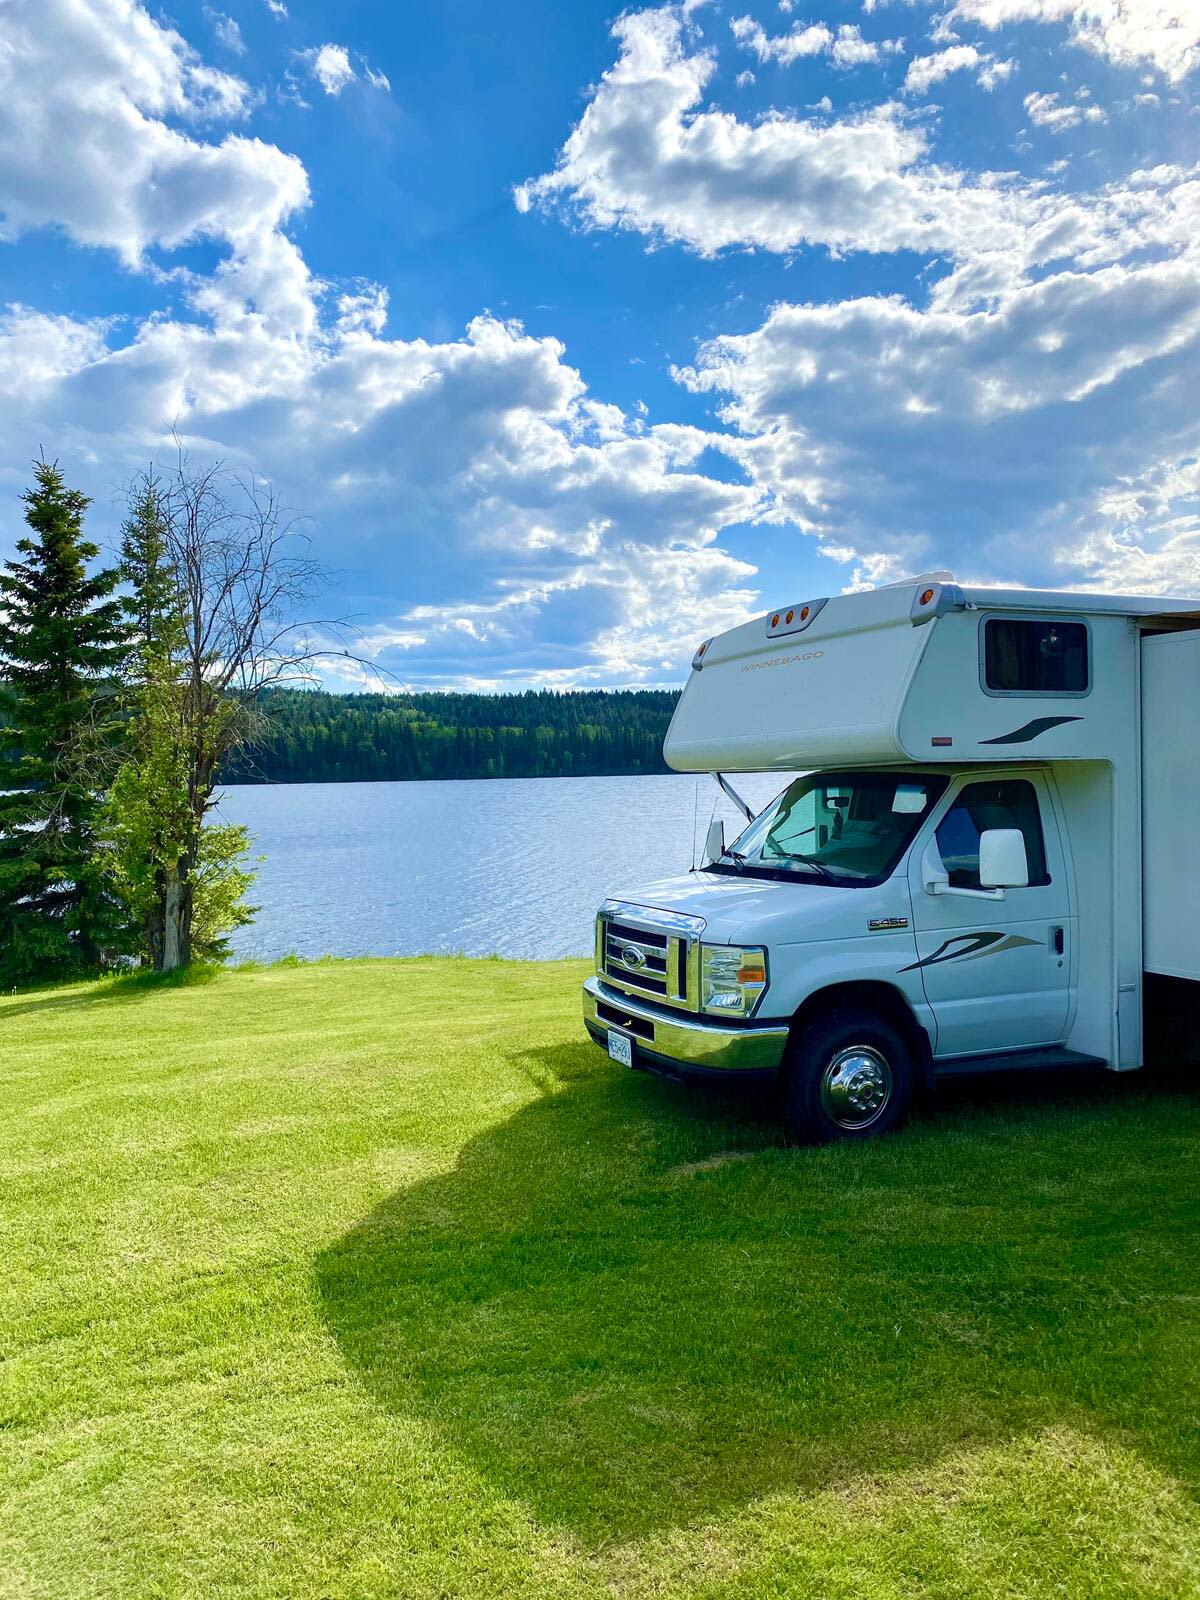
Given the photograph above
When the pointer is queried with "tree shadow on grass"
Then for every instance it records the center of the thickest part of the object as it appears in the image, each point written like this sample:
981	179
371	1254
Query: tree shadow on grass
125	989
626	1329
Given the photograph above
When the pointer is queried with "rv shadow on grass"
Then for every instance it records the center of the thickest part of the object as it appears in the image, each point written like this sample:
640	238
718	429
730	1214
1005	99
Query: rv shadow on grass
631	1308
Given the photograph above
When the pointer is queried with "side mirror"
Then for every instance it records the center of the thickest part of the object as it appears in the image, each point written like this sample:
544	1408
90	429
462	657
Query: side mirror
714	844
936	880
1003	863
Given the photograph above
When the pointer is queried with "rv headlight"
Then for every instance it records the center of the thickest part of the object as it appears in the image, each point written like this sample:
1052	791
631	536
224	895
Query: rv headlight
732	978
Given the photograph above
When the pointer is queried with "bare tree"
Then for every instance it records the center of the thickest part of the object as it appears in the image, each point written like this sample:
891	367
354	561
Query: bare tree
245	580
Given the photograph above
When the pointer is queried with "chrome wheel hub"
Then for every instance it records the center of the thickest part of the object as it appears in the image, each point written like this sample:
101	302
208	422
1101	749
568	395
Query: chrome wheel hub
856	1087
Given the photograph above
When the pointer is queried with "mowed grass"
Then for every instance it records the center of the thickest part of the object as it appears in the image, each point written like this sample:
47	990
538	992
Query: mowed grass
376	1279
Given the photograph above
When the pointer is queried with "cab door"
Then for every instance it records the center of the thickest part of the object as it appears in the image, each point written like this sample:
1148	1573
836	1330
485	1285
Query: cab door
996	973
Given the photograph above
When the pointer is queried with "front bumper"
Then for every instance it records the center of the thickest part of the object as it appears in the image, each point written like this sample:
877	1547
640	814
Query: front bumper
680	1046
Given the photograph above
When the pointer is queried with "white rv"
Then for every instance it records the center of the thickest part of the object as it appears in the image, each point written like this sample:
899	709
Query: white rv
992	861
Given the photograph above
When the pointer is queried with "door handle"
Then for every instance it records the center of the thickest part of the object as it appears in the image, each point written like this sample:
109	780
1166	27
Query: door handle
1058	942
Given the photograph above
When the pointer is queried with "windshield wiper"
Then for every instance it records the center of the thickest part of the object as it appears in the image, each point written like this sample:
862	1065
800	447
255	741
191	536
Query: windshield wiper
818	867
735	856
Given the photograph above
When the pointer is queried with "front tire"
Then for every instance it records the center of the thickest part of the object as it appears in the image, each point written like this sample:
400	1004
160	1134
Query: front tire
848	1075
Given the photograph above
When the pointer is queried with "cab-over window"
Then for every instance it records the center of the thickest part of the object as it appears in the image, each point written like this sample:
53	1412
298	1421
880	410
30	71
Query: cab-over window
1036	655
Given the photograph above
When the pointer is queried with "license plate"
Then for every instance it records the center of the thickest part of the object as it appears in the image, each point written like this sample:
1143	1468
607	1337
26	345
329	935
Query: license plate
620	1048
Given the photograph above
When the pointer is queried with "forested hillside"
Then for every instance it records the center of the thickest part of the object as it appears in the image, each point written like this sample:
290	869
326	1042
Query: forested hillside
330	738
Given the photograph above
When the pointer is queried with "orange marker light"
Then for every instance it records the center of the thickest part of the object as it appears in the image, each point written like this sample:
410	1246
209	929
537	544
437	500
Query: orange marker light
789	616
775	620
804	614
926	597
751	975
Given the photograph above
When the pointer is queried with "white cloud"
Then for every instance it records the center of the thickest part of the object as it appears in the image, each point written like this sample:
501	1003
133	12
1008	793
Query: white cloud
479	478
330	66
811	40
483	479
993	427
1016	421
226	31
845	48
1127	32
476	477
926	70
850	49
86	147
643	157
991	441
1048	111
996	72
277	8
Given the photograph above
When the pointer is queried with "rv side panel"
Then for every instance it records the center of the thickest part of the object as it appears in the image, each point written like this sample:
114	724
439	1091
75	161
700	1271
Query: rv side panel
1171	803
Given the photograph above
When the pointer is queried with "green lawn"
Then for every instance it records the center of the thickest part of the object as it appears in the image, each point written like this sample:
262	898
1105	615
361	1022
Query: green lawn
365	1279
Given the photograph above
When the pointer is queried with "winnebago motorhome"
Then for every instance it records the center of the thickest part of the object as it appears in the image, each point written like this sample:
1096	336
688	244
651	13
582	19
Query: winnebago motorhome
993	859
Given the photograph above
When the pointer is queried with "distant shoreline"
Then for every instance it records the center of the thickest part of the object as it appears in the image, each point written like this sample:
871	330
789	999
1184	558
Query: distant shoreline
521	777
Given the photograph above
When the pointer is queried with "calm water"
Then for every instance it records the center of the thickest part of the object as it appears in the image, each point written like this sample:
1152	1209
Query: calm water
515	867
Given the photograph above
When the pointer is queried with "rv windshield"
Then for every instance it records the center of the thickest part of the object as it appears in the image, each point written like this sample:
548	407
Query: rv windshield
849	828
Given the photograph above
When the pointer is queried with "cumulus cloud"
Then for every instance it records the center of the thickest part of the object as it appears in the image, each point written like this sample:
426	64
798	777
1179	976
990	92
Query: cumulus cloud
845	47
583	537
1165	33
86	147
924	71
643	157
1027	411
992	439
330	65
984	423
1049	111
996	72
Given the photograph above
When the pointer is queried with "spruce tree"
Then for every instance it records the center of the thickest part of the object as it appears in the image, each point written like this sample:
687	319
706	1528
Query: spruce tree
154	604
62	638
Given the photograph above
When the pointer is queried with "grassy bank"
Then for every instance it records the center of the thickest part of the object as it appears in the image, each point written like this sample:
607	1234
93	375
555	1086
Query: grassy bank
375	1279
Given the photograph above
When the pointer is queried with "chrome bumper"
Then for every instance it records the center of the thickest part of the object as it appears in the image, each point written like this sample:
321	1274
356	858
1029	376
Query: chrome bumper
680	1045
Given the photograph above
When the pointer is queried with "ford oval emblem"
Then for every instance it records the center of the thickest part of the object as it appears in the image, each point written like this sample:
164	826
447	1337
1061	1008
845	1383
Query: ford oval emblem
633	957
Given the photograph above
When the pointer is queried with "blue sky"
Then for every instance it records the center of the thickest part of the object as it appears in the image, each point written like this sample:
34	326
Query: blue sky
580	335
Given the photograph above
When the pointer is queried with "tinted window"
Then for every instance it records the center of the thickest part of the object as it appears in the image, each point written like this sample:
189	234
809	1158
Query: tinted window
1011	803
1035	657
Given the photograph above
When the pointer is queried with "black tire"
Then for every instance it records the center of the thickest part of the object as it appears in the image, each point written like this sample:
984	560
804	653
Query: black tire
848	1060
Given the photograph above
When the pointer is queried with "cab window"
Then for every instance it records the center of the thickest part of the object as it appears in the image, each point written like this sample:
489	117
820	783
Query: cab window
1008	803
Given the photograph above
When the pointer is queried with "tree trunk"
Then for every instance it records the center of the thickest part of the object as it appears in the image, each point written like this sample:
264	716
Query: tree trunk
154	932
177	918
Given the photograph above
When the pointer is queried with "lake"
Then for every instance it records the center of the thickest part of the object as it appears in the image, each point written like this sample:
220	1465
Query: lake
514	867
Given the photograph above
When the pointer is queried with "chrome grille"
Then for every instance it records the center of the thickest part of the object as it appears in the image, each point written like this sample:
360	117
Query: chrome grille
645	951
